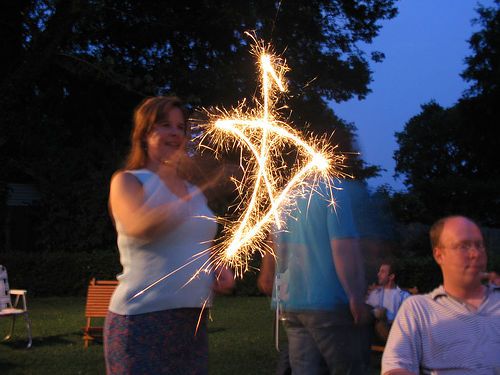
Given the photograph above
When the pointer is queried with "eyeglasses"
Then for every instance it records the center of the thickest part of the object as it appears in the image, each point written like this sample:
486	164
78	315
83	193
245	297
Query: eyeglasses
465	246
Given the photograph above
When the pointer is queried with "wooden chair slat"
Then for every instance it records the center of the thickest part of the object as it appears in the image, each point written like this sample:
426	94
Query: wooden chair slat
98	296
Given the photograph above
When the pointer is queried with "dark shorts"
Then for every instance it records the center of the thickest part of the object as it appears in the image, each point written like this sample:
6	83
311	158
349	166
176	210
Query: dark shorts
162	342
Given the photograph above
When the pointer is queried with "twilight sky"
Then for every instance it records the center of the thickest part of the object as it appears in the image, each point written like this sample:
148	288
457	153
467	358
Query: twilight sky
425	47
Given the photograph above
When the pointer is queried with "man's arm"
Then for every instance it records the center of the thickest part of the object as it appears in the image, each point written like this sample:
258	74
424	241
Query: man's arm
349	268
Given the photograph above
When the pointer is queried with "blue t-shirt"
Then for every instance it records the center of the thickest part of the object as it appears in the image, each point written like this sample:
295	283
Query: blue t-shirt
305	270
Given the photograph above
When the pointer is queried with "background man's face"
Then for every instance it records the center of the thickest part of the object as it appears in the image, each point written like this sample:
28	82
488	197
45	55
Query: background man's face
383	274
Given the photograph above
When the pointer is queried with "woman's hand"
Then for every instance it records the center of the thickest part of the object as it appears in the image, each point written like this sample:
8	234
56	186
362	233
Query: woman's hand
224	281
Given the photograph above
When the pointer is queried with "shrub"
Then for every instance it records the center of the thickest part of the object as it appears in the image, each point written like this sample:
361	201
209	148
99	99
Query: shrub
68	274
59	273
422	272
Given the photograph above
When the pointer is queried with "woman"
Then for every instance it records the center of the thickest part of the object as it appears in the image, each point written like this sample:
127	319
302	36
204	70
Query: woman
164	228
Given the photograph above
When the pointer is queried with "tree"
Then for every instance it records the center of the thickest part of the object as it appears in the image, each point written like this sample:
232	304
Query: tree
76	69
483	67
448	156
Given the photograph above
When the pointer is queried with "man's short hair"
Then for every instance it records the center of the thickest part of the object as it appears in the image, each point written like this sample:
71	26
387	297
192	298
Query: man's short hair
437	228
394	267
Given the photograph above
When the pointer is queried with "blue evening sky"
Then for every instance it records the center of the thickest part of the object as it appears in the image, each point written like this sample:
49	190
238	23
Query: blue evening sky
425	47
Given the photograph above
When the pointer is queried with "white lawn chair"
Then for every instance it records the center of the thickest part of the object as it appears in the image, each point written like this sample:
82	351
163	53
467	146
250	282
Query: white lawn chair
7	308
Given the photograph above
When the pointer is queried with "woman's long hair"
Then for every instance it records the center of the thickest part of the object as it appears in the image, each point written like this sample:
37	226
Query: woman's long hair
146	114
198	171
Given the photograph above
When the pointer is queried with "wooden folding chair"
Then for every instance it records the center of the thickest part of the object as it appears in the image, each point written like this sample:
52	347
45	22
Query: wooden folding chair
9	309
98	296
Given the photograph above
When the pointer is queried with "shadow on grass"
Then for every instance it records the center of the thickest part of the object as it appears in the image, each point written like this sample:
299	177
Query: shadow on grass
15	344
8	367
66	339
215	329
62	339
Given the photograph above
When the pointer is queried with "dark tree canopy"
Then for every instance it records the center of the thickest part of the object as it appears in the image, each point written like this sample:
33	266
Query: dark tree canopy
73	71
483	67
448	157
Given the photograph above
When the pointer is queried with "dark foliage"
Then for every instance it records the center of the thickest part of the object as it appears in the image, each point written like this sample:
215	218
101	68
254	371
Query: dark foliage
448	156
72	72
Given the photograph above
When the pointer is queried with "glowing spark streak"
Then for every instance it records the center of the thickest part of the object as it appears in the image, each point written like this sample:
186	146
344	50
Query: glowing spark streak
164	277
274	134
261	158
200	316
318	161
267	69
252	221
261	161
240	239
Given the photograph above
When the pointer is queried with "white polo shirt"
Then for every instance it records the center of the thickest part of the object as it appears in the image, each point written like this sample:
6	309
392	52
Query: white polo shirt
437	334
390	299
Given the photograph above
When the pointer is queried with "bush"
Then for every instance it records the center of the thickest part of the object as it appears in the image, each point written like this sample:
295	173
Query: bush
68	274
247	286
422	272
59	273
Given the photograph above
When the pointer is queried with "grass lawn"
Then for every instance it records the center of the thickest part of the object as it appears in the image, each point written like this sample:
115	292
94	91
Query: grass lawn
240	335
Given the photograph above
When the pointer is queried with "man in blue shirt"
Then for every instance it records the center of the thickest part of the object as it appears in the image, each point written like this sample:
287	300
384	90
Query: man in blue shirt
321	282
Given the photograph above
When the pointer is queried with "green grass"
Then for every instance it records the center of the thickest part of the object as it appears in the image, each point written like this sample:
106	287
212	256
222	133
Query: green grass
240	335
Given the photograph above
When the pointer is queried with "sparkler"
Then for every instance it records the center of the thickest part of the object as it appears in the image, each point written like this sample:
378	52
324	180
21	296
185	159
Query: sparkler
269	185
272	183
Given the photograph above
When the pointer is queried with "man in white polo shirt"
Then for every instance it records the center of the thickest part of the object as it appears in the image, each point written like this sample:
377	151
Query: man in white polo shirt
455	329
386	299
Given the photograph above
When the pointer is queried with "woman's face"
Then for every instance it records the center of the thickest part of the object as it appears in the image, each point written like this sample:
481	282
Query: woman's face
166	140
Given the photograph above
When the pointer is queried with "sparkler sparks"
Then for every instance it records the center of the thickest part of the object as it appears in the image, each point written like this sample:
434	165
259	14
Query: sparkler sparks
268	183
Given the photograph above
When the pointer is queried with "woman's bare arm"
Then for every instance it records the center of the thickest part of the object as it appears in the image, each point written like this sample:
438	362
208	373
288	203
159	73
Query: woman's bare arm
127	205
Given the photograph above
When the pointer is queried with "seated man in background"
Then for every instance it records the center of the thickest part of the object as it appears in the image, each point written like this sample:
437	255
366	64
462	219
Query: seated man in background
455	329
386	299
